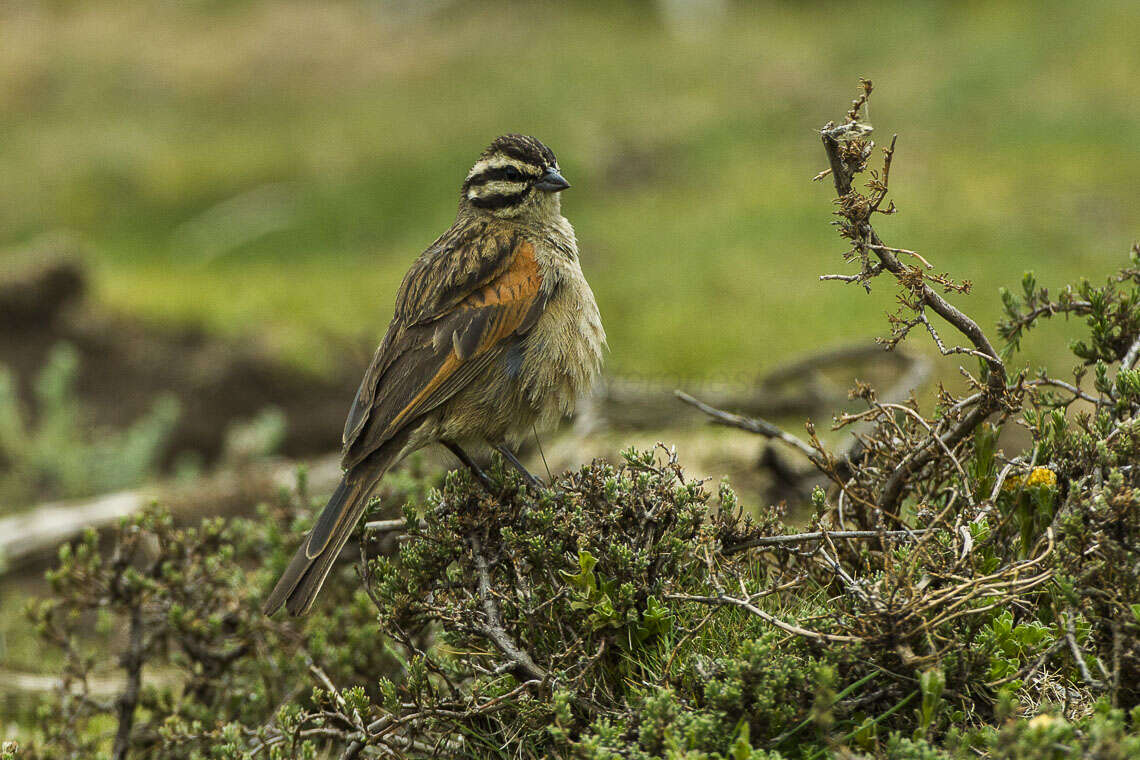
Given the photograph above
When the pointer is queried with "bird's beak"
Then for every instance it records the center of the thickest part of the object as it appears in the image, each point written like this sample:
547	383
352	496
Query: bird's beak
552	182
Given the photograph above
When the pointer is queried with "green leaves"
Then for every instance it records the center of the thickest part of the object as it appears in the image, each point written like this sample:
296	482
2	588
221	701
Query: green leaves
585	580
1011	645
656	621
596	594
592	595
931	683
1029	500
982	466
59	455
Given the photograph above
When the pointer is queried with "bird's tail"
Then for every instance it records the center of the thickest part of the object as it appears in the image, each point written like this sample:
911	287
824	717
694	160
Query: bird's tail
310	566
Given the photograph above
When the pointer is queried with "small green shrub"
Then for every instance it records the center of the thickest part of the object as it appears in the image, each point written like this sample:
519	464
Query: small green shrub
52	453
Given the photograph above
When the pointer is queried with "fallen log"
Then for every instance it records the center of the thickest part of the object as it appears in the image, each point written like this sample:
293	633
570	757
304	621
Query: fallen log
35	534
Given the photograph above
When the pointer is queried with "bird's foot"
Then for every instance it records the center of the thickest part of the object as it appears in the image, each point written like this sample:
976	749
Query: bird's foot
527	475
483	478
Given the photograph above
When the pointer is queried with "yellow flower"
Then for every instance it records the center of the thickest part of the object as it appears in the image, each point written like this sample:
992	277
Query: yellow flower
1041	476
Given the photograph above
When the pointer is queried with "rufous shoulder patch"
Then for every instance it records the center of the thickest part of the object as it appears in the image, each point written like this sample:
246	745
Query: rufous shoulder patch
501	307
521	281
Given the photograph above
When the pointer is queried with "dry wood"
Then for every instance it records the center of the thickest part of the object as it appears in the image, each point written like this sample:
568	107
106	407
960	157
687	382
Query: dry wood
815	384
36	533
989	401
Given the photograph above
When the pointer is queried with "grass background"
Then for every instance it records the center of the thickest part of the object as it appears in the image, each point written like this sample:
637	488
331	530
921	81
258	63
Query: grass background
270	169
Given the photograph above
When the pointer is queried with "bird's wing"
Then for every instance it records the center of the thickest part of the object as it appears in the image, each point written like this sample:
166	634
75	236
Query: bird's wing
455	312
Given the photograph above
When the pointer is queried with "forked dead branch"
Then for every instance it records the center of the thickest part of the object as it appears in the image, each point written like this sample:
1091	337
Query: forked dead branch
849	150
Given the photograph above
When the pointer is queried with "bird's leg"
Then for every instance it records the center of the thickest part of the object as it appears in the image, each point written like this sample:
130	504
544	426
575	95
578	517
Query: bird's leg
514	461
469	463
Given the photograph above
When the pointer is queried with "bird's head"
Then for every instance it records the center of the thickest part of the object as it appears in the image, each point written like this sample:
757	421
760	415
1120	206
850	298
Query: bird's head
516	177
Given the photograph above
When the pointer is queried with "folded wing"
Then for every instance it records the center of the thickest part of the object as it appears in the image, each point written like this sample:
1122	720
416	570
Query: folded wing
442	337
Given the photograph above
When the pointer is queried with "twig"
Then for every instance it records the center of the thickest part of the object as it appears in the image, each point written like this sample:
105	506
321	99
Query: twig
1130	357
863	277
843	277
798	538
132	662
970	400
354	719
883	187
639	403
848	581
1048	309
1078	656
946	449
1077	392
753	425
493	628
899	251
390	526
942	349
744	604
1003	475
308	733
917	371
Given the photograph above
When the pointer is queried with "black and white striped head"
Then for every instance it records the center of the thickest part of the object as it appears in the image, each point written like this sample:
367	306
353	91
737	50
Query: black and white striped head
516	176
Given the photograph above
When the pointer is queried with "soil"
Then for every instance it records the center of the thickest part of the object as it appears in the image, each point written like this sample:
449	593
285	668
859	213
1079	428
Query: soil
125	365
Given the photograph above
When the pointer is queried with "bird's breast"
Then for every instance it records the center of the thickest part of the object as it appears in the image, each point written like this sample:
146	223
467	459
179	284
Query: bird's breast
562	354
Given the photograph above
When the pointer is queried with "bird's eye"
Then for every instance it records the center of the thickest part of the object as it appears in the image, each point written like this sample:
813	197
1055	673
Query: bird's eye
512	174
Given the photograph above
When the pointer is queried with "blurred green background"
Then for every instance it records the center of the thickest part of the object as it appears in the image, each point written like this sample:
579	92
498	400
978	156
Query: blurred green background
270	169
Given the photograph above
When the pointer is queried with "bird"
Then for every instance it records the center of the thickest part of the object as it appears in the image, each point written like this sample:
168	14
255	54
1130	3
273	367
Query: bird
495	333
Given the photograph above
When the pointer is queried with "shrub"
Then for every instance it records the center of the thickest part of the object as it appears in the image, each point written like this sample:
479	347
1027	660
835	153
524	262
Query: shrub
56	455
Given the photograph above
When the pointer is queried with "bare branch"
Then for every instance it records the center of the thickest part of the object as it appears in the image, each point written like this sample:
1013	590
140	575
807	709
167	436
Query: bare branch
844	277
1130	357
900	251
493	628
753	425
942	349
397	525
799	538
996	386
1048	381
744	604
946	449
132	662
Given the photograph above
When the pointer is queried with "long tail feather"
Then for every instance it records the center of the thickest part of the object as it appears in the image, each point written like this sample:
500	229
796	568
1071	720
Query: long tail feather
302	580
